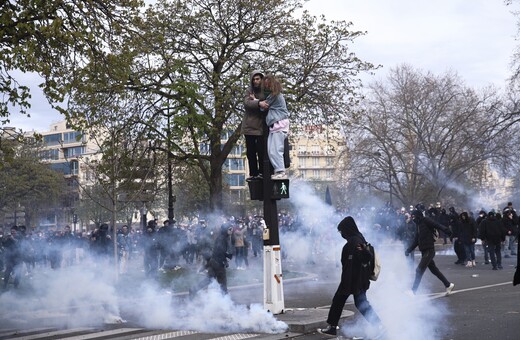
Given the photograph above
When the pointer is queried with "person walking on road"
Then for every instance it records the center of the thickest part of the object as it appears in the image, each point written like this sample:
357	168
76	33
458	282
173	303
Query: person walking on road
425	239
354	279
218	262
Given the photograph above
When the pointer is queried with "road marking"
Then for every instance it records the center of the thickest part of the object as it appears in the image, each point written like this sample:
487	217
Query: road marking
168	335
118	331
439	295
236	336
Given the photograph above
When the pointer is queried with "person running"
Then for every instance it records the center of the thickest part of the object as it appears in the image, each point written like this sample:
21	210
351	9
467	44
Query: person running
425	239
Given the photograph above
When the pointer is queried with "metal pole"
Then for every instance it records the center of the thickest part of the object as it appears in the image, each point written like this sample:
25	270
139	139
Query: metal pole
273	283
171	199
270	208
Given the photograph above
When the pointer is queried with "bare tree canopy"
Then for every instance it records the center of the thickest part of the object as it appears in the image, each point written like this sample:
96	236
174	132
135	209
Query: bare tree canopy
423	133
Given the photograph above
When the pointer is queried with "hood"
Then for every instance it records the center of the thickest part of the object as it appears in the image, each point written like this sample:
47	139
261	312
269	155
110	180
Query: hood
255	72
417	214
349	228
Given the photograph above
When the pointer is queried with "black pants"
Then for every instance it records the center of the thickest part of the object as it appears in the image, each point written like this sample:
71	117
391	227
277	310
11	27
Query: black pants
495	253
255	154
216	271
458	247
12	268
427	262
361	303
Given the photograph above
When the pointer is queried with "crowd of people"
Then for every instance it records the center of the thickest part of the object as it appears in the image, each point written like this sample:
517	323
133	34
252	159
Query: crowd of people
171	246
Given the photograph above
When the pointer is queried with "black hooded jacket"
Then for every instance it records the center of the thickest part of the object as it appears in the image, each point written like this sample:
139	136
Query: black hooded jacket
468	229
424	238
492	230
355	269
222	247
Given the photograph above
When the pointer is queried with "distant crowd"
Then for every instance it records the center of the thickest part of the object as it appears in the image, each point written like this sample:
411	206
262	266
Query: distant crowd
171	246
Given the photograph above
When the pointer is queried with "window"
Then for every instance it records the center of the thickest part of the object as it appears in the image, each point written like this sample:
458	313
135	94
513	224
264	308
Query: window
234	164
53	154
302	161
329	174
73	152
315	149
303	174
315	161
330	161
74	167
237	150
72	137
204	149
235	180
63	168
226	134
53	139
316	173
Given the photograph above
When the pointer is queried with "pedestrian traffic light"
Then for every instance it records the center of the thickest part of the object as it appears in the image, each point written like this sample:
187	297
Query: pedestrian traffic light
75	218
280	189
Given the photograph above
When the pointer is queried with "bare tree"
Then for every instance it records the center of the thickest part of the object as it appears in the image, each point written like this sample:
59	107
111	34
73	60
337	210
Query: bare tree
422	133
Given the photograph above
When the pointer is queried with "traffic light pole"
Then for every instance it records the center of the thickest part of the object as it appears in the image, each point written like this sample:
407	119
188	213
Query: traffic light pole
273	284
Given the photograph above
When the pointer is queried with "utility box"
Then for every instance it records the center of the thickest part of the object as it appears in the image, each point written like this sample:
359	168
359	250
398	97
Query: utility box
280	189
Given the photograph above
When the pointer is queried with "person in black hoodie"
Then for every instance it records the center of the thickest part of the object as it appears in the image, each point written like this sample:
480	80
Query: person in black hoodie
458	246
218	262
468	236
425	239
354	279
492	232
482	215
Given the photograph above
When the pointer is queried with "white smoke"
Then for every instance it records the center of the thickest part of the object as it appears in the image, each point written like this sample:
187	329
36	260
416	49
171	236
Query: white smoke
403	316
74	296
88	295
209	311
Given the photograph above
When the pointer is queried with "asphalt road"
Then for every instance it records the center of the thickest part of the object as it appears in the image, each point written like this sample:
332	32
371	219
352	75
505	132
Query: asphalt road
484	304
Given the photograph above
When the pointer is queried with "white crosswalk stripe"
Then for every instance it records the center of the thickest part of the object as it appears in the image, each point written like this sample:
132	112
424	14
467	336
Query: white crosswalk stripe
120	333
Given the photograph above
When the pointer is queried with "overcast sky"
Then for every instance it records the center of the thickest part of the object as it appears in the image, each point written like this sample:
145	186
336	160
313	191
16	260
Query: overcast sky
475	38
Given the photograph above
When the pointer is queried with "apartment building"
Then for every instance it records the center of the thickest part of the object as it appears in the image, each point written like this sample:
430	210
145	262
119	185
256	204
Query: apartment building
315	152
63	148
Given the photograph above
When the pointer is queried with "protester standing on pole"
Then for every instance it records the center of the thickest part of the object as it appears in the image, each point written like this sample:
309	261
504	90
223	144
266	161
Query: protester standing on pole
253	124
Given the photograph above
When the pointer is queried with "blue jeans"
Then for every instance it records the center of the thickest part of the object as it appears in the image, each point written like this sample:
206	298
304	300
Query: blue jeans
361	303
470	251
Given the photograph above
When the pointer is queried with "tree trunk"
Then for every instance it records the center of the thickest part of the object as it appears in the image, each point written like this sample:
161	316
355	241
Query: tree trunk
215	186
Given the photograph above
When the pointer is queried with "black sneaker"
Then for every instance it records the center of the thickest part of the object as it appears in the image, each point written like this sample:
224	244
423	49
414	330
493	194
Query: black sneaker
329	331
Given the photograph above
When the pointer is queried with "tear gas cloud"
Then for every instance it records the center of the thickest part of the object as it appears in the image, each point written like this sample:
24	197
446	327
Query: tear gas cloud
87	295
404	316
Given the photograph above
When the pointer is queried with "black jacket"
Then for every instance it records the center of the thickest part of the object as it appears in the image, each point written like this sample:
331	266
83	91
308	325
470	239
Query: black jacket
492	230
355	274
222	249
424	238
468	229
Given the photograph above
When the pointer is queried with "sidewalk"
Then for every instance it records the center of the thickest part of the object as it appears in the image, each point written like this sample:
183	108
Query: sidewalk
303	320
